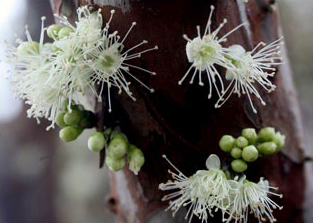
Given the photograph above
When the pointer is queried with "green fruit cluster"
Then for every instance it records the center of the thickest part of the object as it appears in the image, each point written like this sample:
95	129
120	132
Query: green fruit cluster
73	122
250	146
118	148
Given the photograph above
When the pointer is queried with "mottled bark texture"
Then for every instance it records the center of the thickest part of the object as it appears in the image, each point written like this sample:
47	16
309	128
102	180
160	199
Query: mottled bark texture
180	121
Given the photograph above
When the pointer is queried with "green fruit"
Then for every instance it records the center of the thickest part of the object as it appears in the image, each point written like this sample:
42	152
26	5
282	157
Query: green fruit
30	48
239	165
250	135
227	143
60	119
115	164
266	134
70	133
73	118
250	153
117	148
279	140
65	31
236	153
53	31
96	141
241	142
136	159
267	148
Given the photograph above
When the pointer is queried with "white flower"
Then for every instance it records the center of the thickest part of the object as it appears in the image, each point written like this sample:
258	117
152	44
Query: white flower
204	52
30	78
205	191
251	197
109	62
251	67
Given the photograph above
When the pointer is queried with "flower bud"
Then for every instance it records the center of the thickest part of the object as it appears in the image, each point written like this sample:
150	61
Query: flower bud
73	118
239	165
55	47
279	140
70	133
267	148
250	153
136	159
30	48
227	143
60	119
96	141
115	164
65	31
118	148
53	31
241	142
266	134
236	153
250	135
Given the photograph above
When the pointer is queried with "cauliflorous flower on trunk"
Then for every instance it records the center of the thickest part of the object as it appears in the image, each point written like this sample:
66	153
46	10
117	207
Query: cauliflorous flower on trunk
204	52
249	197
31	75
204	192
250	67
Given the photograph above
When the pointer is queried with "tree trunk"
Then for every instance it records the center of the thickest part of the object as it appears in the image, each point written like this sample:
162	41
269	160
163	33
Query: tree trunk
180	121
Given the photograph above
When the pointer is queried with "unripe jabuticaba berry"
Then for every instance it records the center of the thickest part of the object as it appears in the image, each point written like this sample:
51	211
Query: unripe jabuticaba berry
266	134
279	140
250	153
250	135
115	164
227	143
239	166
31	48
96	141
117	147
136	159
241	142
73	118
236	153
267	148
70	133
53	31
65	31
60	119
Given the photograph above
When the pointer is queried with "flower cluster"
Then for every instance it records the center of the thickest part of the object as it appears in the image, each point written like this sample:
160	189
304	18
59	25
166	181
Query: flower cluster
243	68
208	191
50	77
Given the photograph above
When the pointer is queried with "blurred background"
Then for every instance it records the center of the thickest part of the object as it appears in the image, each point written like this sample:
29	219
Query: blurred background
46	180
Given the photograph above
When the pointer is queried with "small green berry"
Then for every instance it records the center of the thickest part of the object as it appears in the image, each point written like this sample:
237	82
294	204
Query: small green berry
73	118
250	153
53	31
227	143
236	153
115	164
30	48
65	31
266	134
136	159
118	148
118	135
241	142
239	166
60	119
250	135
70	133
96	141
279	140
267	148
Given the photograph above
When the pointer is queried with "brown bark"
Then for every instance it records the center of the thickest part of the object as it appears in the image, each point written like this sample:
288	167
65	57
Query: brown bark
181	122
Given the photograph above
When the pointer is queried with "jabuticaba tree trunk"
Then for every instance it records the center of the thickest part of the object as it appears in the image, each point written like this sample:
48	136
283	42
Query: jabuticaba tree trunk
180	121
